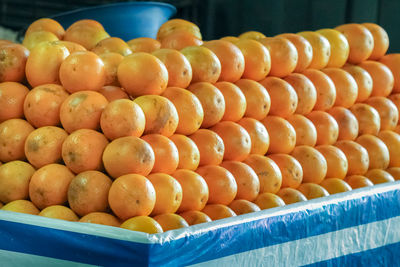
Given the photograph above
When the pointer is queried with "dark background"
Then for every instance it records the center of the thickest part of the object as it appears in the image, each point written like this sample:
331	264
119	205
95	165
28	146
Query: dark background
218	18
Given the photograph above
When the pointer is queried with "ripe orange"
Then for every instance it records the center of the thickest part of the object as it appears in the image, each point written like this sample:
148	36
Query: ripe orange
292	172
142	224
326	90
339	47
311	190
144	44
22	206
178	24
242	206
112	44
171	221
395	172
388	112
59	212
378	152
235	101
378	176
218	211
34	39
12	96
100	218
259	136
305	90
392	142
86	33
72	47
382	77
46	24
335	185
381	40
14	180
231	39
13	134
189	154
268	201
336	160
395	98
356	155
112	93
111	62
254	35
306	133
304	50
358	181
392	61
193	217
321	49
363	80
347	122
326	125
12	65
369	121
290	195
210	145
281	133
312	162
180	39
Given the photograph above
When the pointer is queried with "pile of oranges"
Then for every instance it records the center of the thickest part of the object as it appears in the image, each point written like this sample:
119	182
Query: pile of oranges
158	134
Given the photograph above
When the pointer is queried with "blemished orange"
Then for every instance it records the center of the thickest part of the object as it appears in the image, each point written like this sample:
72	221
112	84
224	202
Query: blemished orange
321	49
335	185
292	172
160	114
257	99
210	145
168	193
144	224
111	62
259	136
128	155
378	152
363	80
193	217
339	47
336	161
12	65
112	93
88	192
305	90
388	112
206	66
43	145
212	101
235	101
178	24
382	77
72	47
231	39
381	40
59	212
392	61
100	218
392	142
144	44
379	176
46	24
306	133
221	184
237	141
290	195
170	221
242	206
326	90
357	157
12	97
248	184
14	180
283	55
45	191
86	34
189	108
347	122
22	206
326	126
36	38
42	105
395	98
358	181
112	44
254	35
13	133
304	50
131	195
189	154
230	57
395	172
312	190
82	71
257	60
194	190
180	39
360	40
369	121
218	211
282	135
142	74
268	173
312	162
268	201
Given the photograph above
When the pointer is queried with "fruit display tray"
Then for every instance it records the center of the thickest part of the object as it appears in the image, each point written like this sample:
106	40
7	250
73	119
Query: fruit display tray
359	227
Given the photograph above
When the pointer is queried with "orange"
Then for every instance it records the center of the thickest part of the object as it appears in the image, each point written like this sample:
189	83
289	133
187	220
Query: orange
178	24
100	218
13	134
259	136
257	99
210	145
206	66
144	44
22	206
326	90
235	101
257	60
189	154
306	133
305	90
254	35
14	180
179	69
231	39
356	155
142	224
188	106
168	193
218	211
363	80
382	77
392	61
59	212
304	50
326	125
160	114
88	192
290	195
212	101
221	184
128	155
336	161
112	93
388	112
392	142
282	135
395	98
268	173
339	47
381	40
12	96
378	176
180	39
171	221
46	24
335	185
347	122
87	22
242	206
86	34
142	74
248	185
36	38
43	145
72	47
42	105
378	152
397	129
321	49
292	172
111	62
311	190
194	189
45	191
12	65
312	162
193	217
358	181
131	195
369	121
268	201
112	44
395	172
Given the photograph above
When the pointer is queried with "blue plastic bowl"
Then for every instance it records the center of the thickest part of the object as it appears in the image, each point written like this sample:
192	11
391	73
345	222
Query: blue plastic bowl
124	20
